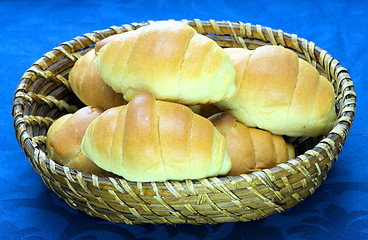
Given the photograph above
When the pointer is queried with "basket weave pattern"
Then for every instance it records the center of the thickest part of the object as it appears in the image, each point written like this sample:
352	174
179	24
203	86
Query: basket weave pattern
44	94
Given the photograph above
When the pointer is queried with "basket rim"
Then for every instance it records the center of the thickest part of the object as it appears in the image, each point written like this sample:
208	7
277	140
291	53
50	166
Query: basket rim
334	140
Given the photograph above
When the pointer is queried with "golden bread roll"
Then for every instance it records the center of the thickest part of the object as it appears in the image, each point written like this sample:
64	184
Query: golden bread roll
234	50
170	60
64	138
88	85
151	140
105	41
251	149
281	93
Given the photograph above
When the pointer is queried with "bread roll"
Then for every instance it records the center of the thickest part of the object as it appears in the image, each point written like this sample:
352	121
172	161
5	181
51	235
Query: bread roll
251	149
232	51
88	85
170	60
149	140
281	93
65	136
105	41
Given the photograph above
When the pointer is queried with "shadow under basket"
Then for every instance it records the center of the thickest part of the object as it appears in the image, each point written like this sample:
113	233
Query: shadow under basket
44	94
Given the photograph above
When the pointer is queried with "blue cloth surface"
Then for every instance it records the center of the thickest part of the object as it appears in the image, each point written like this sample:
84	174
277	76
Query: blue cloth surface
29	210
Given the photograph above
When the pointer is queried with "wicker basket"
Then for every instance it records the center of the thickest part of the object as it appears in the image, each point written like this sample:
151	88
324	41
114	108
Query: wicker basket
44	94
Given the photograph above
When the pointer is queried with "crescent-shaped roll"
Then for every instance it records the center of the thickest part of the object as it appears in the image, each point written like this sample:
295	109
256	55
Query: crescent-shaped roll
88	85
281	93
64	138
152	140
234	50
251	149
170	60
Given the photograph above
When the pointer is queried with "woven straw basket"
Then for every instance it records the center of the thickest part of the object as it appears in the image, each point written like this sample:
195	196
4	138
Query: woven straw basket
44	94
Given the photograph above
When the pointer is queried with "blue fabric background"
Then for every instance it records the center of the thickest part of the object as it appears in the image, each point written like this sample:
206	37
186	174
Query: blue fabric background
28	210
